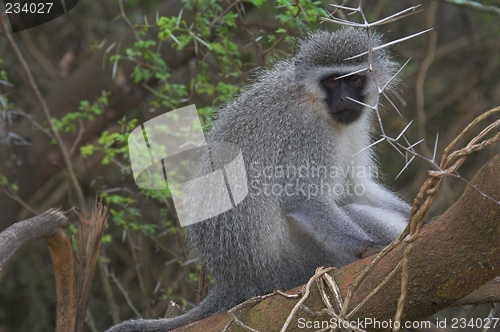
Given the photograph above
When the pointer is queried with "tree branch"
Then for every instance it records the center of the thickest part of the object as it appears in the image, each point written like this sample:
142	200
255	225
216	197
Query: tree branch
73	275
454	255
488	293
474	5
44	225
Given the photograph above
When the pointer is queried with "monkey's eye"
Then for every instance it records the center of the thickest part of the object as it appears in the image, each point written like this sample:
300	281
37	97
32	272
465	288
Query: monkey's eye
353	79
332	80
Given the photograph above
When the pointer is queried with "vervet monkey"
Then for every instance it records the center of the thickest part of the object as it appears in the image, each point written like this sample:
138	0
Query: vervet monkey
313	199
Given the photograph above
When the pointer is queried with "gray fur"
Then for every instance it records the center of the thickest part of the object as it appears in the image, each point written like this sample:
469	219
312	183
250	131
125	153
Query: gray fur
277	240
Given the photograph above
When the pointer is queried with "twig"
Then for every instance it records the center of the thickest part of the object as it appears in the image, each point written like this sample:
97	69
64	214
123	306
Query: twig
142	286
125	17
14	196
258	47
474	5
319	273
422	73
125	294
78	138
252	301
34	122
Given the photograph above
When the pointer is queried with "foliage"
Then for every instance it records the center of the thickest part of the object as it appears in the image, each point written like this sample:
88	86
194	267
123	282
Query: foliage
86	111
213	34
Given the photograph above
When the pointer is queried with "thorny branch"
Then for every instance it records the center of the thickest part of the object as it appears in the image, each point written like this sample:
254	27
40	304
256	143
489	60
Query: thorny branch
450	162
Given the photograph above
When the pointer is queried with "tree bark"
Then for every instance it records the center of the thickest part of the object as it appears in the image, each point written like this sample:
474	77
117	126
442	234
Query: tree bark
44	225
61	253
454	255
48	225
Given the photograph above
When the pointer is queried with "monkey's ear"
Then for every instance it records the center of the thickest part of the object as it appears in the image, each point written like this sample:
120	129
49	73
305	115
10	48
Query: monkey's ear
300	71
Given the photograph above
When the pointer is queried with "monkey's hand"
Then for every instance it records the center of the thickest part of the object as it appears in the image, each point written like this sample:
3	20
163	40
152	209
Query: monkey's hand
330	226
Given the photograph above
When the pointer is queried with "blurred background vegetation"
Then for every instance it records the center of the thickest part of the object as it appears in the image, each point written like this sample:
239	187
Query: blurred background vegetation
108	66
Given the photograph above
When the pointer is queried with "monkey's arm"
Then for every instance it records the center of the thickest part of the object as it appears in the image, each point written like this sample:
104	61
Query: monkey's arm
378	196
328	225
378	211
383	224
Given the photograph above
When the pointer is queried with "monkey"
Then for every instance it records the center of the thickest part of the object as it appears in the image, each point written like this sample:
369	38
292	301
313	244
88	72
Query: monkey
304	130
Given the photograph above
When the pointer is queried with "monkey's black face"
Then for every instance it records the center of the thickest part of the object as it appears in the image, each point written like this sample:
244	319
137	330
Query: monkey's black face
339	92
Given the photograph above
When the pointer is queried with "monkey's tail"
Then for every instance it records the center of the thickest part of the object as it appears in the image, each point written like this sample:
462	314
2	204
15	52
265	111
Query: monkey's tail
209	306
